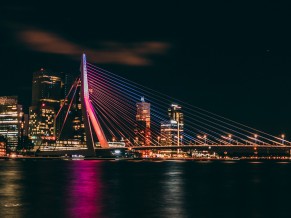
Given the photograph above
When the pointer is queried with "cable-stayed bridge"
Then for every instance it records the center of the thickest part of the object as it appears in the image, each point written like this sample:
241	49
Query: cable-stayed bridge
115	109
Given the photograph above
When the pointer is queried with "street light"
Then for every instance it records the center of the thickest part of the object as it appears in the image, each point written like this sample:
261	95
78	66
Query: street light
283	137
205	138
158	140
256	136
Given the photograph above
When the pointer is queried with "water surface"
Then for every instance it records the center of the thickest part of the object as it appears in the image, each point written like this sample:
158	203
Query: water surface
58	188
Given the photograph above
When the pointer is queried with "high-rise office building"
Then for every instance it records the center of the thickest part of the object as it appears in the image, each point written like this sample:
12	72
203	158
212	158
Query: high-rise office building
172	130
42	124
46	88
13	122
143	124
71	129
169	130
175	113
46	96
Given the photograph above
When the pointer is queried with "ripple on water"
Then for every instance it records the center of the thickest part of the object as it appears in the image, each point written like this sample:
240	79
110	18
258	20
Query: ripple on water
284	162
204	161
229	162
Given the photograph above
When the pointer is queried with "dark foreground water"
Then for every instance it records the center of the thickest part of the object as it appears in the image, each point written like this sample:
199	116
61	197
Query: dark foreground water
55	188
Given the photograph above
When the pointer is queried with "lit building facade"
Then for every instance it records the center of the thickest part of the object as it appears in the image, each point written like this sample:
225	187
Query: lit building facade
42	125
143	124
172	130
72	132
46	88
47	92
3	148
169	133
13	122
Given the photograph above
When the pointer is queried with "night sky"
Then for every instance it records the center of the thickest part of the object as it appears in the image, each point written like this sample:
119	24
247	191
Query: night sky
231	58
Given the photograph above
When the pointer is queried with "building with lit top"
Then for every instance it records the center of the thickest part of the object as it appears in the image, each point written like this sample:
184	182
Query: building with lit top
169	134
42	125
47	92
143	124
172	129
13	122
46	88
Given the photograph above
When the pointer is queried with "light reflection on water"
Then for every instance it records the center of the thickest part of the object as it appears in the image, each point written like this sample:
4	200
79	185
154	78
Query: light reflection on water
84	190
229	162
283	162
172	192
255	162
144	189
10	190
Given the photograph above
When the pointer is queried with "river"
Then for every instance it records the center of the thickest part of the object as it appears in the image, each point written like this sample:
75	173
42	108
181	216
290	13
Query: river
93	188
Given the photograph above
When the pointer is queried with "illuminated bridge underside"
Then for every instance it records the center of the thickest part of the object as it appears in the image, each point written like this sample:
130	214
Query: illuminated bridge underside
90	118
239	150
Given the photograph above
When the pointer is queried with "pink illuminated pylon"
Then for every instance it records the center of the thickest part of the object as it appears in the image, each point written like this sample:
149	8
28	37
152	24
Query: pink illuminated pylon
88	112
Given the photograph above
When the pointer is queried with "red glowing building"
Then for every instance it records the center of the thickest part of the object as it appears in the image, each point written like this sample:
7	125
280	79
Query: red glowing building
143	124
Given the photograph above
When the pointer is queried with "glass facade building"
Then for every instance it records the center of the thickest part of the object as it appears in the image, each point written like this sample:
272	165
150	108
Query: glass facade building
72	132
42	125
46	88
13	122
47	92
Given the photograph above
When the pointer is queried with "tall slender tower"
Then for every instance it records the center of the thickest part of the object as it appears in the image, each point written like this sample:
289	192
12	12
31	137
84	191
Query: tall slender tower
143	123
172	129
91	121
175	113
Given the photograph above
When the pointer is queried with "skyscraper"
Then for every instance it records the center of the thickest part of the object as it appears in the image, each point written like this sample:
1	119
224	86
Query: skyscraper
46	88
143	124
71	130
42	124
169	129
46	97
175	113
172	129
13	124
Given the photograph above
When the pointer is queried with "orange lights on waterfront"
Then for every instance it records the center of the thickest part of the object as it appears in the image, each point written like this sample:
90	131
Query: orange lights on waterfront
2	149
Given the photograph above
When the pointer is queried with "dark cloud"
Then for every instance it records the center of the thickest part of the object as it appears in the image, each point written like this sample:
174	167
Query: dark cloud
136	54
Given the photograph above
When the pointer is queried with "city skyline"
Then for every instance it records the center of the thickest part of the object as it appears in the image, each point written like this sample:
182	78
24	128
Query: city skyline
223	65
145	109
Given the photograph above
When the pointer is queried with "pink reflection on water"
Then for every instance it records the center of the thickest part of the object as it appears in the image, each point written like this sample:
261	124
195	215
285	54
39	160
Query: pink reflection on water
84	191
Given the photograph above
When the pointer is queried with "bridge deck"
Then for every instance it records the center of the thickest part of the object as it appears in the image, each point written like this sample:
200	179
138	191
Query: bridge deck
209	146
